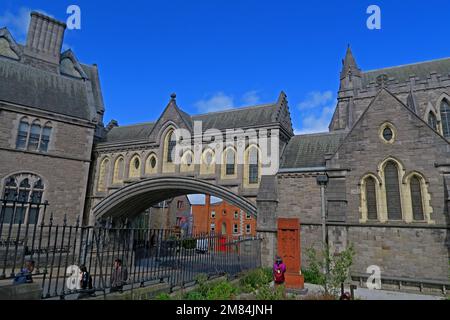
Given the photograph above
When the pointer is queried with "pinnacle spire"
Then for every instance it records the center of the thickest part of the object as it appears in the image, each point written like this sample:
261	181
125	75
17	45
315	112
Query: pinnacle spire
349	65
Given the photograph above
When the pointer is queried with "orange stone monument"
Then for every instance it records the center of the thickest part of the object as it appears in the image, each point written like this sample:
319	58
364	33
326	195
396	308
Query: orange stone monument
289	250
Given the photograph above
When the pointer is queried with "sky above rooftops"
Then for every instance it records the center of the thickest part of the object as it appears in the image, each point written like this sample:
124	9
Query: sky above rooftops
228	53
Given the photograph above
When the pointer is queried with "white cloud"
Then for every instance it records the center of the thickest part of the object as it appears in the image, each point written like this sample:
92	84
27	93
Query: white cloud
317	110
316	99
217	102
221	101
251	98
17	23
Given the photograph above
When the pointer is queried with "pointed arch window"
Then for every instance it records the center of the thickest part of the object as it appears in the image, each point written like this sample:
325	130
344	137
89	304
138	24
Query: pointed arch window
432	121
135	167
35	134
445	118
119	168
416	198
371	199
253	166
230	167
171	144
102	177
394	208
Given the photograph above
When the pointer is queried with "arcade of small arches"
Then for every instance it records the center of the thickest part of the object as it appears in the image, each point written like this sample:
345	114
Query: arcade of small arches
116	169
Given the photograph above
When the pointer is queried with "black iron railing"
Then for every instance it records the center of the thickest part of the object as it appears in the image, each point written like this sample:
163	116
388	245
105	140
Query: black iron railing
149	255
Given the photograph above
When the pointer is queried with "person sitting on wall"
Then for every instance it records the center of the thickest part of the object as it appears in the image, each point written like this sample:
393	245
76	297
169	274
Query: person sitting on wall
25	275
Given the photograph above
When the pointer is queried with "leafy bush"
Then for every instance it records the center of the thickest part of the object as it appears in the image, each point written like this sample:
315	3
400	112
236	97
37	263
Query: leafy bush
189	243
331	270
268	293
255	279
222	290
311	276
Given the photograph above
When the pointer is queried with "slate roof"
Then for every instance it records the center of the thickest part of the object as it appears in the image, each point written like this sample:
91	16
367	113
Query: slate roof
233	118
402	73
32	87
130	133
238	118
308	151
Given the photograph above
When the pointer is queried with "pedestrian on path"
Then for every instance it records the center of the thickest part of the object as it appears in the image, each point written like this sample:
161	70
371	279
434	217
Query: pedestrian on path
119	276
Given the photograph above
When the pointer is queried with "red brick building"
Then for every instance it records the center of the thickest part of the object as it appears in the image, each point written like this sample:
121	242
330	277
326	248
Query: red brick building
222	218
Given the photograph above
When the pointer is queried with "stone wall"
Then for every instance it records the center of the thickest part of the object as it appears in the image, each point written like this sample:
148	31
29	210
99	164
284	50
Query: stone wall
64	168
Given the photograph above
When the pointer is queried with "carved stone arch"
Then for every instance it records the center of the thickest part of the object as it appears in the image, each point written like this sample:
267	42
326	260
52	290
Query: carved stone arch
104	172
134	166
384	197
247	164
164	135
363	209
425	200
208	161
119	169
187	165
224	162
149	169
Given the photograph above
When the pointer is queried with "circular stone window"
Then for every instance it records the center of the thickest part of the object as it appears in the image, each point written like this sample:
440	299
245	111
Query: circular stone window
387	133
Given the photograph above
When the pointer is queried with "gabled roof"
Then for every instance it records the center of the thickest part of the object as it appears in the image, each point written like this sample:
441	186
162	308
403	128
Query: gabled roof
421	70
308	151
130	133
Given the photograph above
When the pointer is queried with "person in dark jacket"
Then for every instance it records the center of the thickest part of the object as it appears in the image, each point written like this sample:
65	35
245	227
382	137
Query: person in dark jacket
86	288
119	276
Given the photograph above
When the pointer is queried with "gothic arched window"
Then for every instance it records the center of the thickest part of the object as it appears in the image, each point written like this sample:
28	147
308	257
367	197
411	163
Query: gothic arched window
445	118
416	198
34	137
230	162
119	168
103	174
394	207
371	198
171	144
432	121
253	165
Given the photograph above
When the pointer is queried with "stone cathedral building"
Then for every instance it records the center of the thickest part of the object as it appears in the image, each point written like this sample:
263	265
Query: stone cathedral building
385	161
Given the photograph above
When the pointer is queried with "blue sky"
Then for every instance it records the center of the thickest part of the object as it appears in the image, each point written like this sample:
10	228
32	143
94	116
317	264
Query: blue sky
217	54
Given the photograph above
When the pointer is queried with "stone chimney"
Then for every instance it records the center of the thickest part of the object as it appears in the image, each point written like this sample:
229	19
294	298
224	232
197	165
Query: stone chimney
45	38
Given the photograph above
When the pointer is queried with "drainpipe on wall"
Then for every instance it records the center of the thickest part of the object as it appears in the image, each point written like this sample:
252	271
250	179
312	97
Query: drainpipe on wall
322	181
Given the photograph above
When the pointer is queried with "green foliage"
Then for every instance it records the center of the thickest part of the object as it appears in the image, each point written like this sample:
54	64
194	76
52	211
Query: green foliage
189	243
268	293
163	296
222	290
255	279
330	270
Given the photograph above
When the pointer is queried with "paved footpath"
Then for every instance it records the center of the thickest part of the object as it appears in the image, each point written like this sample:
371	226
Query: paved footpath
366	294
